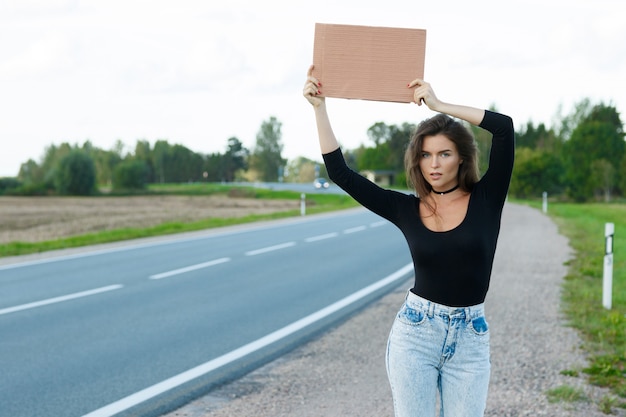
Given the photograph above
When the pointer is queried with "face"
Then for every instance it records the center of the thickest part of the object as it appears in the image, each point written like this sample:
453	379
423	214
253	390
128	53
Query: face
440	162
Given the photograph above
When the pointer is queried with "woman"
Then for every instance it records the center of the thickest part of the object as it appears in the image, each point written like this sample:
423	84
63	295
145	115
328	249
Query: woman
439	341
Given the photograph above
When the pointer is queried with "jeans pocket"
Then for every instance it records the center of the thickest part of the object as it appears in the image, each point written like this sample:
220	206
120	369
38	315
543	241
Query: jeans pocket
411	316
479	326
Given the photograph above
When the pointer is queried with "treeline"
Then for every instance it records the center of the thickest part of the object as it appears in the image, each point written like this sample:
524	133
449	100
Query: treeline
68	169
581	157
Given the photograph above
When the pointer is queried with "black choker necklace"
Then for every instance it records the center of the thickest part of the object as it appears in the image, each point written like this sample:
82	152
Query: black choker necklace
445	192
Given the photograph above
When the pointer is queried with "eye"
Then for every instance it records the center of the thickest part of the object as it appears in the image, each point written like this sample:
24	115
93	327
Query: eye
425	155
446	154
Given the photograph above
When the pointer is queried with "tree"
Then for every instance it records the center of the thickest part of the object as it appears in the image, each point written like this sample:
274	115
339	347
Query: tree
373	158
379	133
398	142
622	175
234	159
143	152
185	165
266	158
75	174
576	117
176	163
598	136
537	137
105	162
160	161
603	177
483	143
535	171
390	143
130	174
212	168
9	184
53	154
30	172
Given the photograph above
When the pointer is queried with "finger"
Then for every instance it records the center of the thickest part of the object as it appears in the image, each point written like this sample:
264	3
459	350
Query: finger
311	84
310	90
416	82
419	97
311	78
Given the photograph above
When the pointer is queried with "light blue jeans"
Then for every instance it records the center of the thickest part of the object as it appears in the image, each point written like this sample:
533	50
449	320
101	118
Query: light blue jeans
435	349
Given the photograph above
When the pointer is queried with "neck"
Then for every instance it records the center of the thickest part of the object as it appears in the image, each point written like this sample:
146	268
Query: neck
445	192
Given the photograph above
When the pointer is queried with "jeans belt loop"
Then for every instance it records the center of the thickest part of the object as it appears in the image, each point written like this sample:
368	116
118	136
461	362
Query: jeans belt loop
468	314
431	309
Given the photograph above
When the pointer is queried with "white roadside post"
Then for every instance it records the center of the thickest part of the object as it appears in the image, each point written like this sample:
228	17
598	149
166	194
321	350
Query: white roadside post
607	277
545	202
302	204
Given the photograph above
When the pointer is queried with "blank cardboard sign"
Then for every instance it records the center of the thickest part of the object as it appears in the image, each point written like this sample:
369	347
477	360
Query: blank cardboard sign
368	62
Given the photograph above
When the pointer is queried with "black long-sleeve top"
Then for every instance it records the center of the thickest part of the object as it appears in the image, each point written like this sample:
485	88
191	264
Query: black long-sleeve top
451	267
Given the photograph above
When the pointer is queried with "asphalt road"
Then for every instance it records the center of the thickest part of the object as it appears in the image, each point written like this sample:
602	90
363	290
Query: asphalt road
140	329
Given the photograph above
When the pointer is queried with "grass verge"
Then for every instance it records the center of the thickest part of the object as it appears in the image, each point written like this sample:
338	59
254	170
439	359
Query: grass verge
603	331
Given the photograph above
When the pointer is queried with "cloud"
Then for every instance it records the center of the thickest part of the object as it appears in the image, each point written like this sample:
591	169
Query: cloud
44	56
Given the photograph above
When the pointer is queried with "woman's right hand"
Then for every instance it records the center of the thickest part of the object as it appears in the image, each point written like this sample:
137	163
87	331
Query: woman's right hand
424	94
311	89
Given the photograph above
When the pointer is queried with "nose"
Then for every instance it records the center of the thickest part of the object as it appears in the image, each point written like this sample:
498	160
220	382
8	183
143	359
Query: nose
434	161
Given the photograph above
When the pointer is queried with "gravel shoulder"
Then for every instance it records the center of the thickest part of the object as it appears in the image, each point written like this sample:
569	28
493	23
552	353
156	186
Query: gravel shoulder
342	372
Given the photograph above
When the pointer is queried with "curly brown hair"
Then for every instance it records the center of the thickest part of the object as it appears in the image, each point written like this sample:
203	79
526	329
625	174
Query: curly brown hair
466	146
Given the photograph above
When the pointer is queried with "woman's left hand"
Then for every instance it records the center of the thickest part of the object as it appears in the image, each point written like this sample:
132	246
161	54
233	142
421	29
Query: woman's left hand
311	89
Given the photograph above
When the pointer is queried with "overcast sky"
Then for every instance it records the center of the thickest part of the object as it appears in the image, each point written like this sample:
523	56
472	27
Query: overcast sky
197	72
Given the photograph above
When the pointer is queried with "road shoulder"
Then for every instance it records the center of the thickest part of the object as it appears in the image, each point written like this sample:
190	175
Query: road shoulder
342	372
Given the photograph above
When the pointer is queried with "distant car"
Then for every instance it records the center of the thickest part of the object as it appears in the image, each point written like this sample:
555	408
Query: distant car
320	183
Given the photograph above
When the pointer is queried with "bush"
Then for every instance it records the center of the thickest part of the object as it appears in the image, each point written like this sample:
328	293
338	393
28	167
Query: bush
130	175
32	188
8	184
75	174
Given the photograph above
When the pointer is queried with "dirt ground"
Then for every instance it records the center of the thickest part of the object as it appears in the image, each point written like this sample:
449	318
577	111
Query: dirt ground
32	219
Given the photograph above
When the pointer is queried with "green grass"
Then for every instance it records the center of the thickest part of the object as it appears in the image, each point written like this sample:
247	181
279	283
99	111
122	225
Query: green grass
566	393
316	203
603	331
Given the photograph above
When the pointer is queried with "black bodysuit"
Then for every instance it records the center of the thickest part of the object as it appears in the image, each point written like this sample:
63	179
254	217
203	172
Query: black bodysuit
452	267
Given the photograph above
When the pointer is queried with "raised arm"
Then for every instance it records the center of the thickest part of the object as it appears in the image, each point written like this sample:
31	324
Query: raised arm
311	91
424	93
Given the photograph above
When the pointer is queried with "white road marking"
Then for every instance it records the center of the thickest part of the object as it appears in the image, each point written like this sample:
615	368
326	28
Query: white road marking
378	224
60	299
355	229
189	268
321	237
184	377
208	234
270	248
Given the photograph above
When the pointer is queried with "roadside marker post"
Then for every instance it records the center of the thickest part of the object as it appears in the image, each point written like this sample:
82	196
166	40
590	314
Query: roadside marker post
545	202
607	276
302	204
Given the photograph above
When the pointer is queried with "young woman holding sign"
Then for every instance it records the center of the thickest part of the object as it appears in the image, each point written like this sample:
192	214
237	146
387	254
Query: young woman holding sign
439	341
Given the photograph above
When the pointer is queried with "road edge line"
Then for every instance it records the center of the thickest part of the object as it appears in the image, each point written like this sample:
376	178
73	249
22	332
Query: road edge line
193	373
